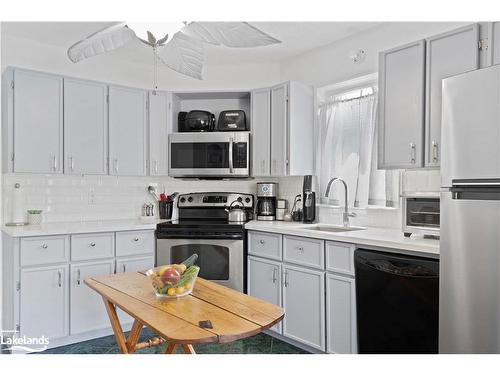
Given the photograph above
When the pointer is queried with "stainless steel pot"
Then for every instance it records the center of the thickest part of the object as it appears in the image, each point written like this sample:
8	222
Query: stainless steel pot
236	214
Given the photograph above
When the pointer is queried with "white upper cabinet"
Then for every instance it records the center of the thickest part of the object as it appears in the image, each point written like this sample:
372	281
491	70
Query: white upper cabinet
279	127
283	114
85	127
38	122
261	132
127	131
401	106
159	127
447	54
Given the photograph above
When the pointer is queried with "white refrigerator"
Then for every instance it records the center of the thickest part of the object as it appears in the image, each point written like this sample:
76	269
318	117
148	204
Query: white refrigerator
469	306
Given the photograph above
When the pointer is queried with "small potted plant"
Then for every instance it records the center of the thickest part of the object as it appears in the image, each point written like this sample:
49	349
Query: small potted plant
34	217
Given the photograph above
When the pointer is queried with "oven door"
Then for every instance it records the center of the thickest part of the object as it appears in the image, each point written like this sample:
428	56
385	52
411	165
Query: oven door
219	260
209	154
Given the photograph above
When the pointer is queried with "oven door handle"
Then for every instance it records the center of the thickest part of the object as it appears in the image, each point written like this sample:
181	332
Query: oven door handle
231	144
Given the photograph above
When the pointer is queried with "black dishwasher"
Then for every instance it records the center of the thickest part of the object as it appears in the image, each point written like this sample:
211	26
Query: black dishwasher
397	303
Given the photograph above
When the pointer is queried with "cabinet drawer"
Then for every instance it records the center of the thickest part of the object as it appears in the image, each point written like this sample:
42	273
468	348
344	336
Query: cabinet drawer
135	242
340	257
92	246
44	250
304	251
265	244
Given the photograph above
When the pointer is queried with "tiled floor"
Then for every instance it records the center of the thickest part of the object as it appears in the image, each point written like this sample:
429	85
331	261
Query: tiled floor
259	344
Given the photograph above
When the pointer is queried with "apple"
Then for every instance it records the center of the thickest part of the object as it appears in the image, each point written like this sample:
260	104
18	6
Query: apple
170	276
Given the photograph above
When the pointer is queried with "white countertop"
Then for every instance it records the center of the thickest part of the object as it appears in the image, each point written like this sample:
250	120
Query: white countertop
48	229
391	239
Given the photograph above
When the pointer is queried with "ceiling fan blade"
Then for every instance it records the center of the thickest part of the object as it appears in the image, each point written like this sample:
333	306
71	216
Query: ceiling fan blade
184	55
102	41
229	34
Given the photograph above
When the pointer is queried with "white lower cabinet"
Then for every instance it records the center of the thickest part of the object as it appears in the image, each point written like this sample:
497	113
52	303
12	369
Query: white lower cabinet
44	297
264	282
304	304
87	311
340	314
319	320
132	265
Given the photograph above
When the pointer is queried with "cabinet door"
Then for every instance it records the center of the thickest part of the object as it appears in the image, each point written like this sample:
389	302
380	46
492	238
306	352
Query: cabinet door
493	43
38	122
44	302
264	282
261	132
87	312
340	314
304	304
279	133
447	54
159	128
132	265
127	131
85	127
401	107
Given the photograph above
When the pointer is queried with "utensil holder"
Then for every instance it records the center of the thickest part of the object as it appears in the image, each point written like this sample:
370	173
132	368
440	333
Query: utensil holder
165	209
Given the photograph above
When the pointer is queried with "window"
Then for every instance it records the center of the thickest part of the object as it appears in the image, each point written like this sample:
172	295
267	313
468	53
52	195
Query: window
347	140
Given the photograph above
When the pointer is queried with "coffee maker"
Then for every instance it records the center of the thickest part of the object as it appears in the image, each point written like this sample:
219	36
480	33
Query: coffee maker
267	193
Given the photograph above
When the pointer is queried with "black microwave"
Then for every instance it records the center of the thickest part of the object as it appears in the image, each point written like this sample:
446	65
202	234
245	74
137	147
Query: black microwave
211	154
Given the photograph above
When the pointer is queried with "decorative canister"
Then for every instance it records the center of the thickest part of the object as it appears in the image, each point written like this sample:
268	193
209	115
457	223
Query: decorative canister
34	217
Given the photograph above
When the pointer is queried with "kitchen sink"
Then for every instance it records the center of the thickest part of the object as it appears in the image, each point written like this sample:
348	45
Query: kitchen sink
332	228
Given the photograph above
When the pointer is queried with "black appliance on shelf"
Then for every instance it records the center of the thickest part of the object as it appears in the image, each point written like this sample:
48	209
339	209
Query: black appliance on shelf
203	228
196	121
232	121
397	303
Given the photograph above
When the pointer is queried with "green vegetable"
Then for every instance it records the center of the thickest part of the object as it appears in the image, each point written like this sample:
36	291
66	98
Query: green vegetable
189	275
191	260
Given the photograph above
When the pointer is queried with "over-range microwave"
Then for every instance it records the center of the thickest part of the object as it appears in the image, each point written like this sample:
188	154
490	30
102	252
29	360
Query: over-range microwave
211	154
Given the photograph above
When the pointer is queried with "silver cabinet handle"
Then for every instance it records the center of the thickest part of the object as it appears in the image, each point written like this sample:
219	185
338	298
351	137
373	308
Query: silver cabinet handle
44	246
78	281
124	267
71	163
231	141
434	151
262	242
92	244
275	270
59	279
115	165
155	164
54	163
136	239
286	279
413	153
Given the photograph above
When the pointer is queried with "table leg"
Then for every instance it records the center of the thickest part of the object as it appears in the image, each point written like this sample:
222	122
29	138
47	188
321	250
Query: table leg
171	348
133	336
188	349
115	324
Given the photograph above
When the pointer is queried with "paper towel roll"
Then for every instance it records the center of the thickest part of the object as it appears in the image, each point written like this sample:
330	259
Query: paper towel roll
18	214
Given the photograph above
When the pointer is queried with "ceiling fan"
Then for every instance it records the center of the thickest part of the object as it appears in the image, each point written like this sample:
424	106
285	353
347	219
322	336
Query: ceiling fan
182	46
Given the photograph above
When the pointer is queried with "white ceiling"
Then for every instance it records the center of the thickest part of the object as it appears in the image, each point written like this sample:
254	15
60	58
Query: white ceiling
296	37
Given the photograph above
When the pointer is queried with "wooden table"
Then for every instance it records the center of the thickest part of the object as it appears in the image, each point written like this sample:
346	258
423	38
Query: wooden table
233	315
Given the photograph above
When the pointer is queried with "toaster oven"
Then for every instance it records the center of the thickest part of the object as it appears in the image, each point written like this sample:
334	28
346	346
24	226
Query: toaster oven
421	215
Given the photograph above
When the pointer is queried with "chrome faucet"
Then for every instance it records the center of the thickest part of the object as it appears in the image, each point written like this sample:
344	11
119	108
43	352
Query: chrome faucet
345	214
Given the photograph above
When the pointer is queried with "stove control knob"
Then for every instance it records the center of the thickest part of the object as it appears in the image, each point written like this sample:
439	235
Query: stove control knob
247	200
240	199
190	199
183	200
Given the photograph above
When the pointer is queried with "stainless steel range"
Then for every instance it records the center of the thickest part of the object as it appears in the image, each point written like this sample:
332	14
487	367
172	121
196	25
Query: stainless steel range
203	228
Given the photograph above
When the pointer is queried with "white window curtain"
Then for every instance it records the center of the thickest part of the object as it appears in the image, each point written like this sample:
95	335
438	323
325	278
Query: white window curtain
348	149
